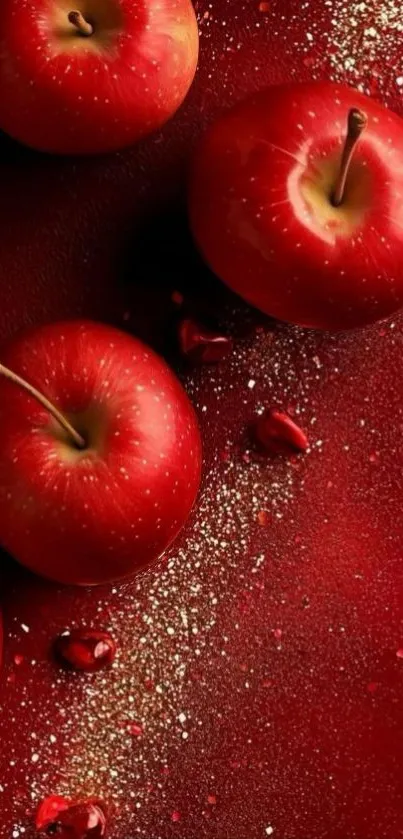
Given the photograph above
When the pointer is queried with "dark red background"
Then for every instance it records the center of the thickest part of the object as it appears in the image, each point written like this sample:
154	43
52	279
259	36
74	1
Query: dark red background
292	685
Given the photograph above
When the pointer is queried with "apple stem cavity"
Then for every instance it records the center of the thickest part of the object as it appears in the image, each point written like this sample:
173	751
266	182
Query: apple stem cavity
356	124
82	25
77	439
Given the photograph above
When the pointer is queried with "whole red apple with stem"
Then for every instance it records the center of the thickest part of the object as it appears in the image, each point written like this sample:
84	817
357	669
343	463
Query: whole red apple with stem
93	75
304	183
100	453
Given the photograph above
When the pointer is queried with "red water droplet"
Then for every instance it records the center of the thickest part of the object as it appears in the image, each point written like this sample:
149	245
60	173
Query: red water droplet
211	799
263	517
372	687
399	653
277	433
18	659
84	649
278	634
309	61
373	85
149	684
202	345
294	462
135	729
85	820
264	6
176	816
177	298
374	457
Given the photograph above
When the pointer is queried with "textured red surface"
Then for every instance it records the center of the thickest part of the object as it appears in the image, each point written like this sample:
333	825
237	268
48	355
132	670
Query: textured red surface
260	673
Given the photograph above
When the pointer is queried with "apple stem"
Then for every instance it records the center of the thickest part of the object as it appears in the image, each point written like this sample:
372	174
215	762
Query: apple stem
356	123
78	440
82	25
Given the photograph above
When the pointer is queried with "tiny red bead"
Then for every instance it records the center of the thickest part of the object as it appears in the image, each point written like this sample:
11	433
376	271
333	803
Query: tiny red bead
202	345
87	650
135	729
277	433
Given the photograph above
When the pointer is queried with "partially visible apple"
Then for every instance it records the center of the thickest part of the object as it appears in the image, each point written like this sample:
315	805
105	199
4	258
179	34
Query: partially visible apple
84	76
296	202
95	504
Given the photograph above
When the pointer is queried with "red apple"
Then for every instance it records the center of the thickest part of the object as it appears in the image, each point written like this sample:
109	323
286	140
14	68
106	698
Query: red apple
93	75
95	500
296	202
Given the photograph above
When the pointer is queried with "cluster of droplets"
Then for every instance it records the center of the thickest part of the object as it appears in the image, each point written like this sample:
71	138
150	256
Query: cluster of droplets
121	730
354	41
365	40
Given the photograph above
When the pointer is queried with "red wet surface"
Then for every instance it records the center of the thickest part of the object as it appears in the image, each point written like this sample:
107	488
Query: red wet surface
257	690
